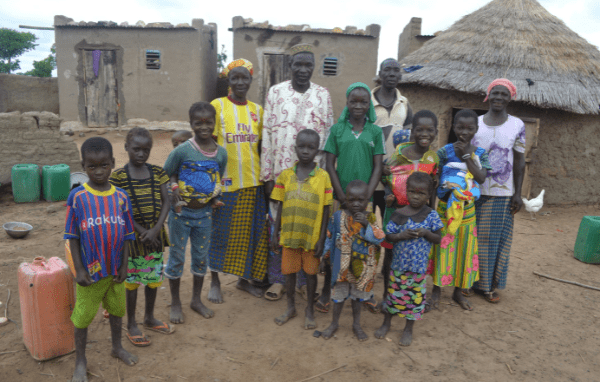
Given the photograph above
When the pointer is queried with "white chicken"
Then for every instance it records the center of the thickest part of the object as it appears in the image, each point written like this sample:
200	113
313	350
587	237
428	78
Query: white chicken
534	205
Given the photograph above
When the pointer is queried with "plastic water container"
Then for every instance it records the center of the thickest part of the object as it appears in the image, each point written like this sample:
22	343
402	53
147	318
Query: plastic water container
26	183
587	245
47	301
56	182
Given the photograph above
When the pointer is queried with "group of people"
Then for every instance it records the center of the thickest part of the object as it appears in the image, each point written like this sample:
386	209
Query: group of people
276	196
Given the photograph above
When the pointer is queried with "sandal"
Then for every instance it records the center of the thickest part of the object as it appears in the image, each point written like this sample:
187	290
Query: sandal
140	341
491	297
163	328
320	307
275	292
372	306
468	292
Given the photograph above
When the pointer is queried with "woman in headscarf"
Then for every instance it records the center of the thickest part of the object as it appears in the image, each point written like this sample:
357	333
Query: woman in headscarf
503	137
238	243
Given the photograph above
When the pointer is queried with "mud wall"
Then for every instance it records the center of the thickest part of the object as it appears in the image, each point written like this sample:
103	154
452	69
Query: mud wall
564	163
34	137
25	93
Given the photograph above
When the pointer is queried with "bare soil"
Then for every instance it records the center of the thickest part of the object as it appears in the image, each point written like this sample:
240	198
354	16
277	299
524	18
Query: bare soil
542	330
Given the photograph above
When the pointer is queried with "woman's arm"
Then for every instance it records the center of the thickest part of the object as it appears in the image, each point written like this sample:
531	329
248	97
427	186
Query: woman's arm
376	174
335	180
518	175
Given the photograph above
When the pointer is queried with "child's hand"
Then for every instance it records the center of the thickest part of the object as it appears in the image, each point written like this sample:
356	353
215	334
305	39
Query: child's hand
395	237
390	200
361	218
175	197
460	148
216	203
386	170
323	266
83	278
121	275
419	232
274	245
150	236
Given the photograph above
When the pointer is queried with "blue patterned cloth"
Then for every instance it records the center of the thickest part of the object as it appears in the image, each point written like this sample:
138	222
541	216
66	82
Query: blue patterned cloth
413	255
401	136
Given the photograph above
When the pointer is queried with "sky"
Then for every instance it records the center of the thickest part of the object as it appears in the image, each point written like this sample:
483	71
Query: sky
582	16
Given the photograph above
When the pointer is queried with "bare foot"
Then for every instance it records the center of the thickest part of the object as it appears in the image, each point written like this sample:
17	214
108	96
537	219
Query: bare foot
80	373
199	307
288	315
247	287
125	356
176	316
382	331
461	300
309	320
406	338
330	331
214	295
435	297
359	333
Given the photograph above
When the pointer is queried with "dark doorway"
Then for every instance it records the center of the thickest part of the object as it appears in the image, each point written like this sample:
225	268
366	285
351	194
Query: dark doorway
451	136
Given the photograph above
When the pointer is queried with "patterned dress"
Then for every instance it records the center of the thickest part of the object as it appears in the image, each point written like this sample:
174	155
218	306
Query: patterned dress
146	264
455	260
407	287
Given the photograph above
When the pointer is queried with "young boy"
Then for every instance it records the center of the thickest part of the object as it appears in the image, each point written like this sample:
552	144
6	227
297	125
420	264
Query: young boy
304	195
352	244
99	220
180	136
195	168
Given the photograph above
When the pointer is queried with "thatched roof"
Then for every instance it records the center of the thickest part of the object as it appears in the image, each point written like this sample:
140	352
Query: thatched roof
518	40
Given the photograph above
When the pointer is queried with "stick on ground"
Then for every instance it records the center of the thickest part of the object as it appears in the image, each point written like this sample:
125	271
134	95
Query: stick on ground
475	338
318	375
566	281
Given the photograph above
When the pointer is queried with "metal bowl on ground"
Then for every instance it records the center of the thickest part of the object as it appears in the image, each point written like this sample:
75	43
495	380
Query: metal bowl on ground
17	230
78	179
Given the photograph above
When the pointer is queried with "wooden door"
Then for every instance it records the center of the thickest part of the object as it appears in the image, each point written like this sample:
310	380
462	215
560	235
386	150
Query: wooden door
276	69
532	129
100	92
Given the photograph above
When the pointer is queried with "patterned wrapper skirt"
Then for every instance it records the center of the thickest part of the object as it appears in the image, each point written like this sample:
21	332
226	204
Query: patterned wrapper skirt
495	230
145	270
239	236
406	297
456	263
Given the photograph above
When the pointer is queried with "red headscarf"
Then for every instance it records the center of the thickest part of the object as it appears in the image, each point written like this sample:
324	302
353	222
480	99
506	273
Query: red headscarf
504	82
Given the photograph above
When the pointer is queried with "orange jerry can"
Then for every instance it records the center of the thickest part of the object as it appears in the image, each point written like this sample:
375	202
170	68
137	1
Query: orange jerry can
47	300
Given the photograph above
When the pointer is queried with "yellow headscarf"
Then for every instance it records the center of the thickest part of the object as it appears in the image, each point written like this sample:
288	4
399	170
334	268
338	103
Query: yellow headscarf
235	64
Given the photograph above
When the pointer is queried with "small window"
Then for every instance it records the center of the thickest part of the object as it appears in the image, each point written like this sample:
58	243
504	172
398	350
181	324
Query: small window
152	59
330	66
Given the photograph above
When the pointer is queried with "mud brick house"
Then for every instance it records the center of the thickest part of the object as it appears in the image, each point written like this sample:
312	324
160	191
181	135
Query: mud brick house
109	73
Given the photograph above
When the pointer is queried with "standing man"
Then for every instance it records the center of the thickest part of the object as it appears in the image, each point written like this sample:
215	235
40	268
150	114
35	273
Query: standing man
291	107
394	116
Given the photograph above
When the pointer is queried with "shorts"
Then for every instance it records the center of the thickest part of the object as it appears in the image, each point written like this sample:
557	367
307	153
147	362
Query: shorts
134	286
110	293
293	260
343	289
195	225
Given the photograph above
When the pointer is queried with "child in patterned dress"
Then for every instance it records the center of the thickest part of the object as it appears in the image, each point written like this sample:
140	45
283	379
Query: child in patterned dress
413	229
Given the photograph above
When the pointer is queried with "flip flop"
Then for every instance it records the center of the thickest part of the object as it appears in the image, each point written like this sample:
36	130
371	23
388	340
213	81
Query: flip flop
320	307
468	292
372	306
491	297
164	328
275	292
140	341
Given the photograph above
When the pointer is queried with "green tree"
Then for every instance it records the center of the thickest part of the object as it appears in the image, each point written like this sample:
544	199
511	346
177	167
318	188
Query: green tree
45	67
221	59
13	44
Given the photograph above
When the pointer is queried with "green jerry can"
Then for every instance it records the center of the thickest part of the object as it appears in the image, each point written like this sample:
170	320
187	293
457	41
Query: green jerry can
56	182
587	245
26	183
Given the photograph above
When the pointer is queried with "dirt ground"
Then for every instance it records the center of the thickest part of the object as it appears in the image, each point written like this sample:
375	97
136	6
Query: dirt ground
541	330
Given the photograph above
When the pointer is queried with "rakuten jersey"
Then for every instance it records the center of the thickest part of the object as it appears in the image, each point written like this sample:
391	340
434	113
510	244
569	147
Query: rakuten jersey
238	129
102	221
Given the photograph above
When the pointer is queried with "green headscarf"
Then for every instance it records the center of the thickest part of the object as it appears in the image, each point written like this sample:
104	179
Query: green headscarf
371	116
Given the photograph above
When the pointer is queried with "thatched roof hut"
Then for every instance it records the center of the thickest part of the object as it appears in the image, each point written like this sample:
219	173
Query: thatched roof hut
557	74
518	40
